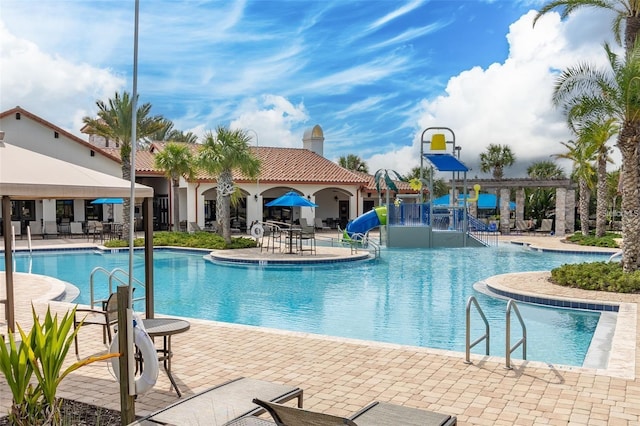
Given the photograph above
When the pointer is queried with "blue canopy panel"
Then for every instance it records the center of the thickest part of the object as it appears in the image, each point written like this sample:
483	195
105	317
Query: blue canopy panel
485	201
446	163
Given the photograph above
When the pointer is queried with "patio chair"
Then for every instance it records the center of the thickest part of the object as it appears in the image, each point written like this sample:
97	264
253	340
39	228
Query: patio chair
50	229
522	226
374	414
76	229
271	237
545	226
95	230
320	225
35	227
194	227
223	403
106	317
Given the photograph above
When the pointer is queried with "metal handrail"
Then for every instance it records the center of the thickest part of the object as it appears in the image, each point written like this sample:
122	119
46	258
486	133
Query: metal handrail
111	275
485	336
523	341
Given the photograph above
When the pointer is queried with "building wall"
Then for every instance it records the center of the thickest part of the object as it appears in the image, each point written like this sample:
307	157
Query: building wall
37	137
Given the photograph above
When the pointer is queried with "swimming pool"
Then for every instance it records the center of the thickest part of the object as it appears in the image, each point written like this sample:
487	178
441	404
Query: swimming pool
409	296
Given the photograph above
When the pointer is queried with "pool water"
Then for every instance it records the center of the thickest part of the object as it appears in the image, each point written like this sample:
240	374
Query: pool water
409	296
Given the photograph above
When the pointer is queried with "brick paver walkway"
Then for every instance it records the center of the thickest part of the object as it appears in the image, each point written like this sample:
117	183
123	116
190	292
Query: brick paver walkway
340	375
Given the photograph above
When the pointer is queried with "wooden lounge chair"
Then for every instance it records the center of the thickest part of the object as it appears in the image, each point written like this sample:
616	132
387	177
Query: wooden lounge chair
222	404
374	414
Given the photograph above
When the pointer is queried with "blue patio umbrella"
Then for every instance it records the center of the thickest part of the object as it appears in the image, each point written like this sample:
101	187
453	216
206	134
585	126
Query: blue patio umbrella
291	199
107	201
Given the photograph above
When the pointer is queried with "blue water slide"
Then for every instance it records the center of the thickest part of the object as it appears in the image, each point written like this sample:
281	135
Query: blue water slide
365	222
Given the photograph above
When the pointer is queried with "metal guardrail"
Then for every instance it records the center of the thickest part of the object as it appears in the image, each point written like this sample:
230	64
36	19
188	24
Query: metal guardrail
119	275
485	336
523	341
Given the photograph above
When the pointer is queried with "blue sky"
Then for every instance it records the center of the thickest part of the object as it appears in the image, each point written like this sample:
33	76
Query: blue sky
373	74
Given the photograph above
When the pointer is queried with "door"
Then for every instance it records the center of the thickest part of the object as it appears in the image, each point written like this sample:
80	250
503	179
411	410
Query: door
343	213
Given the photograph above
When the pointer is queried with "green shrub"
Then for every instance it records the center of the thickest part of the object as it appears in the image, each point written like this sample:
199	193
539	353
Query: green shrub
608	240
42	353
206	240
604	276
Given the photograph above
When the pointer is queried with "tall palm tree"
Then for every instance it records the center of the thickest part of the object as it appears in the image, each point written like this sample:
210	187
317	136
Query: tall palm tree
627	12
175	160
114	122
495	159
582	154
598	133
353	162
614	92
221	153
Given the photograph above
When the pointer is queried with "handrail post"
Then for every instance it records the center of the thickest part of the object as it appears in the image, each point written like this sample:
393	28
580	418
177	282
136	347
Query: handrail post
511	305
486	337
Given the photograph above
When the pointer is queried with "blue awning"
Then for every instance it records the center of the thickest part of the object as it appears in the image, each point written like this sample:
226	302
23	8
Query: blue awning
485	201
446	163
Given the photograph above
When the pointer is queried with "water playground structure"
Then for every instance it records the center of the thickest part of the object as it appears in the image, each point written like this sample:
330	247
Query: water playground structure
424	224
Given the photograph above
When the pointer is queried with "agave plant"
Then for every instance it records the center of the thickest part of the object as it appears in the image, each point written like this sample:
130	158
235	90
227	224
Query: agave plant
41	352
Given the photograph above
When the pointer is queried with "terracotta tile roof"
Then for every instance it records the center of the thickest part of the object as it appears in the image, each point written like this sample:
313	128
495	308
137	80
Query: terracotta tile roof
403	187
59	130
301	166
279	165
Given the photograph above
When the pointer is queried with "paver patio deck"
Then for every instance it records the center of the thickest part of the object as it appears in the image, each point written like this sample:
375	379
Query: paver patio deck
341	375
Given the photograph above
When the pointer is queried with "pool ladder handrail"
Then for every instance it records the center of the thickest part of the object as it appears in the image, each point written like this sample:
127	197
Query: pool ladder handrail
523	340
511	306
112	275
485	336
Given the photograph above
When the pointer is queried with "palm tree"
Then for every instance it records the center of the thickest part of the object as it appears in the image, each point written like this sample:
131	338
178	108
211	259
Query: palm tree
582	153
114	123
627	12
175	160
541	202
353	162
597	133
168	133
613	195
614	93
545	170
221	153
495	159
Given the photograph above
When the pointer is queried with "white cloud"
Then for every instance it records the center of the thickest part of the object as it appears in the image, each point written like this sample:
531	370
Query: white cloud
50	86
510	102
276	121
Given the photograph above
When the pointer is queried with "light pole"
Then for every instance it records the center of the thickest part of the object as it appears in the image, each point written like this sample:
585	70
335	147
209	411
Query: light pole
258	199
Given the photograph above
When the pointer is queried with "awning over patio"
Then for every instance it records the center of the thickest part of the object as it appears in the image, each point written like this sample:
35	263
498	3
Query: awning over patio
26	174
